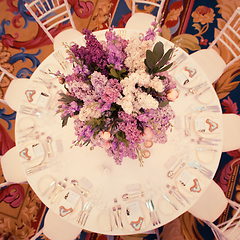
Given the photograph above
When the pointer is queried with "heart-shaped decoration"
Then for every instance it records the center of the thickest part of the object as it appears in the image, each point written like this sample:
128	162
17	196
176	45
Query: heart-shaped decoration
24	154
137	224
191	71
196	187
64	212
212	125
29	94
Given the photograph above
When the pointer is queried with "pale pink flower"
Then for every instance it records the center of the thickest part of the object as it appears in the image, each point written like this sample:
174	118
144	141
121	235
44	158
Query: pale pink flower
106	136
106	145
172	95
147	133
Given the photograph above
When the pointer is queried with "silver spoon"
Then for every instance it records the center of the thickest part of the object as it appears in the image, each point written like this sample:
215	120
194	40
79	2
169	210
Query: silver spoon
76	184
171	172
49	146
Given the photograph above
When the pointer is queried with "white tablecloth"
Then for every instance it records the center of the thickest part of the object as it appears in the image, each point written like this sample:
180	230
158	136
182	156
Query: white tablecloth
109	180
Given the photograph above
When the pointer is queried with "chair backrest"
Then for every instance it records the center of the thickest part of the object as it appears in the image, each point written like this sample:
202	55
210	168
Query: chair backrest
5	72
58	228
211	204
228	38
160	6
11	166
231	132
50	13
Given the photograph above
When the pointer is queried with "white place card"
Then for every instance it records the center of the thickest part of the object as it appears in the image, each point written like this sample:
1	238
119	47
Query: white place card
207	125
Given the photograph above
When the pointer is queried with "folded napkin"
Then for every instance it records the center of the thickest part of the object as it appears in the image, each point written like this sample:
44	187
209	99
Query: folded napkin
135	216
190	183
68	203
37	97
32	151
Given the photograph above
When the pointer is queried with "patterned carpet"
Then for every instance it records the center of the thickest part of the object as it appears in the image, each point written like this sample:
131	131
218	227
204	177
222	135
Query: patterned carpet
23	46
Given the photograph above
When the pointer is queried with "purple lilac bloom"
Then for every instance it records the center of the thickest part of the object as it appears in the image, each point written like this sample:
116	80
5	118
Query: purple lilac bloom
92	54
115	48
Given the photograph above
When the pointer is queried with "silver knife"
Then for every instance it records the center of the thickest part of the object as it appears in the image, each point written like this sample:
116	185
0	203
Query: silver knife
158	219
52	183
170	201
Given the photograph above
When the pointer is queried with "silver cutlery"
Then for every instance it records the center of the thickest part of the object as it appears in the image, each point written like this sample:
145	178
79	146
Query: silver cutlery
166	198
82	190
150	213
214	108
203	141
128	196
46	84
25	129
115	216
84	214
180	194
152	207
30	111
210	139
177	170
175	196
61	60
58	189
55	189
62	187
49	187
193	90
202	167
171	172
37	168
119	213
49	147
109	218
178	61
206	149
206	172
49	73
199	94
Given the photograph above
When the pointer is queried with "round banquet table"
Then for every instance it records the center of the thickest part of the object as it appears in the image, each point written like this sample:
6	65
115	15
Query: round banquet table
101	180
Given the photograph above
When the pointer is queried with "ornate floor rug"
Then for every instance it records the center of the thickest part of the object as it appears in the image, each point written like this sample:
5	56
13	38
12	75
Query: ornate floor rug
23	46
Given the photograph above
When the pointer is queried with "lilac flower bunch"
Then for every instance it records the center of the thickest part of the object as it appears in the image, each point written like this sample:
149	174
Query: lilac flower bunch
118	93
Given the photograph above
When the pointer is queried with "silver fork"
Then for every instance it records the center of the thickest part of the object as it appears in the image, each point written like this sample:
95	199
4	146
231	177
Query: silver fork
122	33
62	187
206	172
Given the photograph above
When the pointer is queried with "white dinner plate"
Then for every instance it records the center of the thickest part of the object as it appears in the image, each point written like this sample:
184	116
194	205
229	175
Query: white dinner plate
206	97
206	156
186	192
46	185
165	207
105	220
25	126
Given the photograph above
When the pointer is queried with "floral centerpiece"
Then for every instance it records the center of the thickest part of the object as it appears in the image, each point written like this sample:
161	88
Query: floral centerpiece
118	93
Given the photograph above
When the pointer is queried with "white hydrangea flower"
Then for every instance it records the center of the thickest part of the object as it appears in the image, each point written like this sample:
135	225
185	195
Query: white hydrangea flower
89	111
156	83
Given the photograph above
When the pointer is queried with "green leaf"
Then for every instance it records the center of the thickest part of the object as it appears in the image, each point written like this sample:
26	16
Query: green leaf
122	137
114	73
166	67
165	58
151	59
158	49
163	104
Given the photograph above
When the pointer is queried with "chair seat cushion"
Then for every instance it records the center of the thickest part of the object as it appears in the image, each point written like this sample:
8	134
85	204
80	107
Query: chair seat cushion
15	92
210	62
140	21
69	35
11	166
